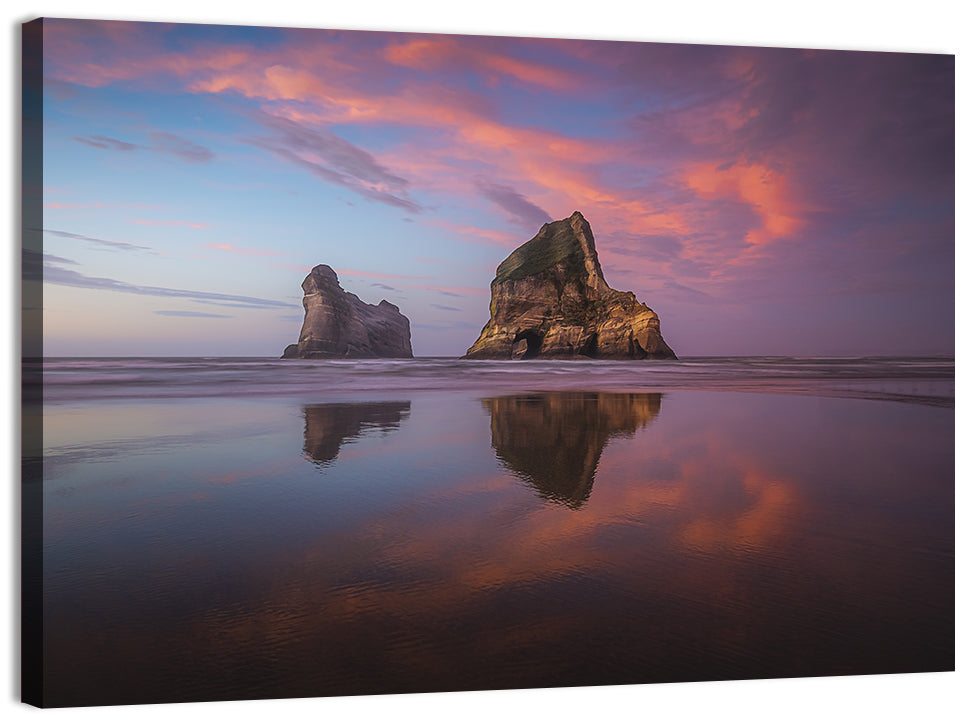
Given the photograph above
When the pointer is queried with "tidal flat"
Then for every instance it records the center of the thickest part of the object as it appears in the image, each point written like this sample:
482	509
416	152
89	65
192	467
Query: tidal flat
344	538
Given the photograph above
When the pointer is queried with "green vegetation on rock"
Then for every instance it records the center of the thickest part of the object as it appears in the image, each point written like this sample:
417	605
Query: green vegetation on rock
554	244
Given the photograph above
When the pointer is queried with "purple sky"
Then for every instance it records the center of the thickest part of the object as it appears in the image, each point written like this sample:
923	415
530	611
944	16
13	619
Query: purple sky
761	201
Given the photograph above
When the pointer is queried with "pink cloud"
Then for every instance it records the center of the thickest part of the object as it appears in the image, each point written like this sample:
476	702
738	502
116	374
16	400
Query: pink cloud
760	187
282	75
97	53
442	53
560	174
460	136
473	233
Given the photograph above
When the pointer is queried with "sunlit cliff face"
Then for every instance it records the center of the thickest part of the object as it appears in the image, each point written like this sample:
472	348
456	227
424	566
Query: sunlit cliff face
550	300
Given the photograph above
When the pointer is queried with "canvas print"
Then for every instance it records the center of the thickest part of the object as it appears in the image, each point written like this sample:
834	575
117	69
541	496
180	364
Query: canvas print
375	363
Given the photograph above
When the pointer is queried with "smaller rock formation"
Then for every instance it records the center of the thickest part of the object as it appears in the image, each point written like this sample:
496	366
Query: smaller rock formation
339	325
550	300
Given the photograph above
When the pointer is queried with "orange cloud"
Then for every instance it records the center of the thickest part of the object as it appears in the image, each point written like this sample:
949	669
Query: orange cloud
762	188
773	504
573	186
288	82
421	54
557	172
474	233
269	82
440	53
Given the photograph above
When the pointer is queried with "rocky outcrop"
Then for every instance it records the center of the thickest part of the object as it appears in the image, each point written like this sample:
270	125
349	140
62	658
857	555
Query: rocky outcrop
550	300
339	325
553	441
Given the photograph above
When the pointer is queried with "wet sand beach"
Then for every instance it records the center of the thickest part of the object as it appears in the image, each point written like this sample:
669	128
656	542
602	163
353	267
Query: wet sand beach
330	533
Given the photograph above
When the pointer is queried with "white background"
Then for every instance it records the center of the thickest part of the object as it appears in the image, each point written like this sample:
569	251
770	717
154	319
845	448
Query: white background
934	26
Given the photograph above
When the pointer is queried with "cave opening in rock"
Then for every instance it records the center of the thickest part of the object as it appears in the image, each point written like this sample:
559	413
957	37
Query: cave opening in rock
530	341
591	347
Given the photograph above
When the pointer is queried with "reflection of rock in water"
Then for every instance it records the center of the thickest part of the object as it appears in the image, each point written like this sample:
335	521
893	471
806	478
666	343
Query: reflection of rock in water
329	425
553	441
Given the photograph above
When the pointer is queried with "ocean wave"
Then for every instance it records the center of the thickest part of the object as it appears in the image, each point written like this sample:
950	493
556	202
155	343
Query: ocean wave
924	380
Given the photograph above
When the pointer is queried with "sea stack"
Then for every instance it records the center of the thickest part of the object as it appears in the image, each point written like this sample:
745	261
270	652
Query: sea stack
550	300
340	325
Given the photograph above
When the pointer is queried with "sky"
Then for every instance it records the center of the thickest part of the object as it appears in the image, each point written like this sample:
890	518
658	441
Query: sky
762	201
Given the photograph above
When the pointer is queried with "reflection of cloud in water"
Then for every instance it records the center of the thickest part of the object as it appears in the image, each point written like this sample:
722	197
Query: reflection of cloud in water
553	441
353	586
772	504
328	426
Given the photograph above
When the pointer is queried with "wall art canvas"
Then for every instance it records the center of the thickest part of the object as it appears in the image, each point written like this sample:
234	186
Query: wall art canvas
367	363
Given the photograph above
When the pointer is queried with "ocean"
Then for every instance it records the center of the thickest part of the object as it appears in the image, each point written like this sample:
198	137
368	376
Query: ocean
227	528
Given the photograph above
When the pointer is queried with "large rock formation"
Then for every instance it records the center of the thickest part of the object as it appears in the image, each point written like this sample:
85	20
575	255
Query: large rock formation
550	300
339	325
